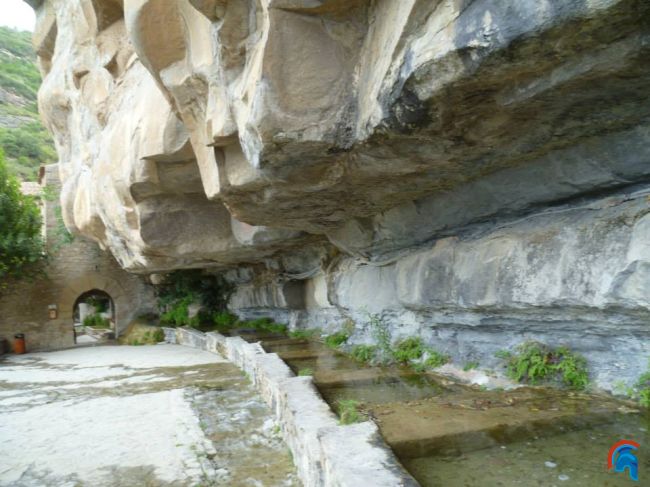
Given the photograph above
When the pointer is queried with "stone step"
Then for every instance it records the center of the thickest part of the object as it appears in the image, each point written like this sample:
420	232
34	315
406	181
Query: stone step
346	377
306	354
476	420
252	335
284	341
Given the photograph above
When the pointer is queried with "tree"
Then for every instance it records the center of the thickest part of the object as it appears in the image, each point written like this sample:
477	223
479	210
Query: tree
21	245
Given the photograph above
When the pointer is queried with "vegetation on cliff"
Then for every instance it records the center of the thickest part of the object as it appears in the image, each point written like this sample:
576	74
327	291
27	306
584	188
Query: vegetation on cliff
23	138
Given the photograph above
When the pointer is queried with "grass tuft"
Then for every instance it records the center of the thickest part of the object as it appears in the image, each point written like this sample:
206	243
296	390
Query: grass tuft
348	410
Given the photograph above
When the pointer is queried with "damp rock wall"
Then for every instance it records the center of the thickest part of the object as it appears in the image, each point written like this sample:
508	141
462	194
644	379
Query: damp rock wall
475	172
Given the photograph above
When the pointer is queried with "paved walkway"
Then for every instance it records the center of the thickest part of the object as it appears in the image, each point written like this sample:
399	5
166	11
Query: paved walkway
160	415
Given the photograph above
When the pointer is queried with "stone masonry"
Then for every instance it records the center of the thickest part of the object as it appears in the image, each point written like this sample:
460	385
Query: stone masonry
72	269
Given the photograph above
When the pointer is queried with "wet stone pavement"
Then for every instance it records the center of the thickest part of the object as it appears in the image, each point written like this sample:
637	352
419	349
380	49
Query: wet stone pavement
160	415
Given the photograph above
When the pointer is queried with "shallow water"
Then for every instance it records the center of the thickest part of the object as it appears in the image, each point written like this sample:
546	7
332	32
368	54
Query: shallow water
385	389
249	449
575	458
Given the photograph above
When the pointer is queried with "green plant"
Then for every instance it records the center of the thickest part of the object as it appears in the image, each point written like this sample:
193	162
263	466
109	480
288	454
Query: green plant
435	359
266	324
408	350
304	334
337	339
621	388
534	362
572	367
503	354
224	321
381	334
182	288
642	388
21	246
419	367
305	371
348	326
348	410
363	353
158	335
178	312
96	321
470	366
100	305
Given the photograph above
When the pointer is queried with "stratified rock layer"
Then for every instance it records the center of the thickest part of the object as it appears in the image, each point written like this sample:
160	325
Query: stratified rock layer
474	171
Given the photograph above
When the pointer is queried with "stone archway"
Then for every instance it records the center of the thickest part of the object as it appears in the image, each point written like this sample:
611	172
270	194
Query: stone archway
81	285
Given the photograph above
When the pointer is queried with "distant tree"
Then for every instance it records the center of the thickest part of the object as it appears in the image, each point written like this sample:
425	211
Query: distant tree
21	245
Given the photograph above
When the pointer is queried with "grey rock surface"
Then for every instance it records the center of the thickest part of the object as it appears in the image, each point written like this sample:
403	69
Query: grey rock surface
475	172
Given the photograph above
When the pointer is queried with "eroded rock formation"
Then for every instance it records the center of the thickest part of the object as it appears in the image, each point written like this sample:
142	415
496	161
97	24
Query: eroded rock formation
476	171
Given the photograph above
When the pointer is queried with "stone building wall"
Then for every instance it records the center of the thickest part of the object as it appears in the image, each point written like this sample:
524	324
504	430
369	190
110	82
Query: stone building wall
73	268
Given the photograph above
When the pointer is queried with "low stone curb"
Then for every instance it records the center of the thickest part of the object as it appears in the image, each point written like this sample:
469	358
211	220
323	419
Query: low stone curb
324	452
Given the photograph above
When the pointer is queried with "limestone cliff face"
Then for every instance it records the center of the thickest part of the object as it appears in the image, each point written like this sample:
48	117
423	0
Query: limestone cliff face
472	170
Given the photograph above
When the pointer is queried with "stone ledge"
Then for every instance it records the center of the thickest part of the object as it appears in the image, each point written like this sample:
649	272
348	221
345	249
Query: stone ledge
325	453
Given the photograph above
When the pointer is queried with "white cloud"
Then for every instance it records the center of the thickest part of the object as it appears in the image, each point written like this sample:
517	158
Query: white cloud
17	14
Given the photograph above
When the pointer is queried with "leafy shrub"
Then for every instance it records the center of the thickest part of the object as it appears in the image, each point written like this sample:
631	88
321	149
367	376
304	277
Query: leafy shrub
364	353
100	305
535	362
435	359
96	321
408	349
182	288
158	335
178	312
348	410
470	366
572	367
224	321
21	247
337	339
642	388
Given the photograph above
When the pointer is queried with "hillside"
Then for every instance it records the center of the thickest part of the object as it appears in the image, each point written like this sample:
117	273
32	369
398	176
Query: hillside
23	138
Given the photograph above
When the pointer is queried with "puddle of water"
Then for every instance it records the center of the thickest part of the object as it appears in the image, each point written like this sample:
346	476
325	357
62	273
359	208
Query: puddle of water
576	458
323	362
385	389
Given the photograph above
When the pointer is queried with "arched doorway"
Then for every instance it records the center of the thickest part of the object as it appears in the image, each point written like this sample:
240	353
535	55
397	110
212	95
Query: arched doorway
123	304
93	316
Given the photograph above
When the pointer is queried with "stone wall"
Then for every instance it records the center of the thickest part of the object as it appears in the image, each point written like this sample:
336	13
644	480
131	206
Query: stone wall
72	269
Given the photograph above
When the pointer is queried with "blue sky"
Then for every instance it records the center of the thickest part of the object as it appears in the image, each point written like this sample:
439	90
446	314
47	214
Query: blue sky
17	14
